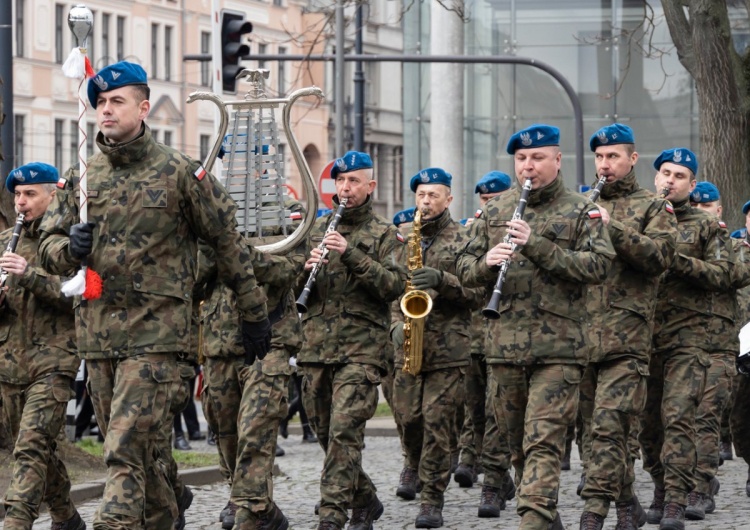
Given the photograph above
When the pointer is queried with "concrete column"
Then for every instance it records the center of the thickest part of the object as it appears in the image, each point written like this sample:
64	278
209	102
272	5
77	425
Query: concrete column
447	99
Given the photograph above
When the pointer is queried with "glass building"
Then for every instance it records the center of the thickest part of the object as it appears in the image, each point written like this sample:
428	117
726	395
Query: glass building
616	54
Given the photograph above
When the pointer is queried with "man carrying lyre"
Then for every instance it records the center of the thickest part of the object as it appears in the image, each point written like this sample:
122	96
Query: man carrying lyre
425	401
537	347
346	336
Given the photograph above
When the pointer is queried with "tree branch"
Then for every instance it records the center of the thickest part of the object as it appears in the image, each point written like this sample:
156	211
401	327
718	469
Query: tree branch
680	29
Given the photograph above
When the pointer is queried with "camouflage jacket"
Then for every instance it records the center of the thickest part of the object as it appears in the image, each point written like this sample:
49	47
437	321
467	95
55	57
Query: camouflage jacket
543	304
37	328
688	310
725	337
642	229
349	312
742	260
150	205
447	329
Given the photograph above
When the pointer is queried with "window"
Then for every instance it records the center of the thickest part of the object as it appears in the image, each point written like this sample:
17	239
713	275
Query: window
204	142
19	27
106	59
90	139
168	53
262	51
282	72
168	138
91	42
59	28
73	143
371	83
59	125
154	50
205	65
120	38
19	131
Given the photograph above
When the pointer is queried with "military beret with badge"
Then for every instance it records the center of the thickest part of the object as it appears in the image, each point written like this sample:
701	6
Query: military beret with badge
431	175
614	134
115	76
32	173
682	156
704	192
493	182
351	161
537	135
404	216
746	208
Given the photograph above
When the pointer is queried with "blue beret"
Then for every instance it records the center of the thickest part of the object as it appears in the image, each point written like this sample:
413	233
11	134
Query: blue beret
740	233
538	135
746	207
431	175
33	173
493	182
404	216
351	161
679	155
614	134
115	76
704	192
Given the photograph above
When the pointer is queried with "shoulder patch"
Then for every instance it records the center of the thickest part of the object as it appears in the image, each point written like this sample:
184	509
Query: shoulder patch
200	173
478	213
61	183
594	214
295	216
399	237
722	224
668	207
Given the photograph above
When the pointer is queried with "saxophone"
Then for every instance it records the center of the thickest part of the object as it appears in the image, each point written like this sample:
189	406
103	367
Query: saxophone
415	304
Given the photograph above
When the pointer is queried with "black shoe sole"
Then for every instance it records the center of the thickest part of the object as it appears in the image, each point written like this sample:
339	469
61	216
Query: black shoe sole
653	517
427	523
672	524
406	494
488	512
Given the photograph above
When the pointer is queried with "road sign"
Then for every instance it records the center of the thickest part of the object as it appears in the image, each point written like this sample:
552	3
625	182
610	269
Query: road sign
326	185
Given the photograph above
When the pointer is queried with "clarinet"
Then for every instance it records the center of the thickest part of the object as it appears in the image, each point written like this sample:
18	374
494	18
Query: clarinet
12	244
491	311
598	189
302	300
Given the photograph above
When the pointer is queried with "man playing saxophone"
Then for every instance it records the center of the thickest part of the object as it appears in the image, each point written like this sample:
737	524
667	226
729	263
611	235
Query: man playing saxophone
538	346
346	337
423	400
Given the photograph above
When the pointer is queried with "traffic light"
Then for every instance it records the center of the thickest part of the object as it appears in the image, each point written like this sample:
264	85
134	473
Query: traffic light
233	27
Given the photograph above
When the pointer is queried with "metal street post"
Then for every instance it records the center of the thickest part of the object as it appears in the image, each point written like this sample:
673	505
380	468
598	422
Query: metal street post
359	87
6	74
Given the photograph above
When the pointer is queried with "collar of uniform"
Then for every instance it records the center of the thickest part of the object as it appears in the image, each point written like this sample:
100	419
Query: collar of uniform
32	229
433	226
129	152
681	208
621	188
358	214
548	193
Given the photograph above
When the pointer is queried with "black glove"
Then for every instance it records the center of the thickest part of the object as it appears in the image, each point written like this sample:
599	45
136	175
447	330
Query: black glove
81	239
397	336
256	338
426	278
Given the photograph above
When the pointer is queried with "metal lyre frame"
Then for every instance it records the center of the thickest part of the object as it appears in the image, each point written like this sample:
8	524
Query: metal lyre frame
254	165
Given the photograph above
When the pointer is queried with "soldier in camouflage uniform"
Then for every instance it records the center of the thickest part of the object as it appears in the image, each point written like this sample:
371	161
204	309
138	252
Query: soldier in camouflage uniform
538	346
346	336
642	230
38	362
148	205
723	350
701	270
423	402
481	440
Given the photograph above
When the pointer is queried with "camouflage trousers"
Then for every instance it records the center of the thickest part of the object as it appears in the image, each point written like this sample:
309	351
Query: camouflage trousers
482	442
535	405
675	386
618	388
716	397
265	402
726	430
739	419
339	399
34	415
425	407
132	400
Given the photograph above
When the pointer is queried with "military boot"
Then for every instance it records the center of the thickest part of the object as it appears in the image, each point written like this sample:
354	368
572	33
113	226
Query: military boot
454	462
531	519
465	475
272	519
184	502
695	510
565	463
591	521
725	451
328	525
407	484
308	436
674	517
581	484
491	503
656	510
625	516
226	510
639	517
362	518
713	489
74	523
429	517
747	484
229	517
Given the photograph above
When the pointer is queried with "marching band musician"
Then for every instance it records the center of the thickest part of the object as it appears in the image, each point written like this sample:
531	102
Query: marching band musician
537	348
424	403
346	337
702	266
642	230
38	362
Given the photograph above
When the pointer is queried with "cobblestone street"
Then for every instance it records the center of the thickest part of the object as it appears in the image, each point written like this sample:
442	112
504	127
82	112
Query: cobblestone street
296	492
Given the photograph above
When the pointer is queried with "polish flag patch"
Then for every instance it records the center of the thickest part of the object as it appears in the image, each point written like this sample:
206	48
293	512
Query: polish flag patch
295	216
200	173
722	224
594	214
669	207
399	237
61	182
478	213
